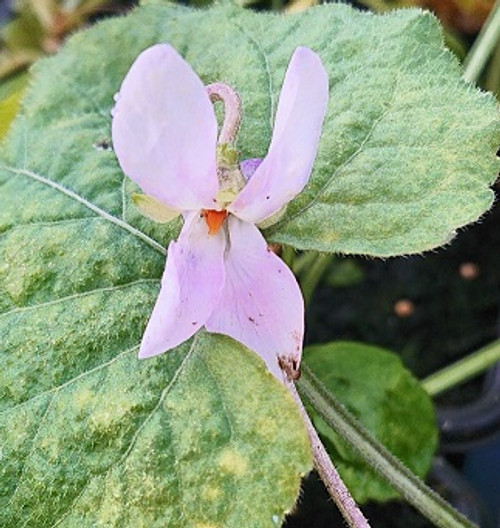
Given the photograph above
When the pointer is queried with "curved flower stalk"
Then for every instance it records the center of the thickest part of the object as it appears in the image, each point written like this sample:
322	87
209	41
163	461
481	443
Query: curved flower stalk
220	273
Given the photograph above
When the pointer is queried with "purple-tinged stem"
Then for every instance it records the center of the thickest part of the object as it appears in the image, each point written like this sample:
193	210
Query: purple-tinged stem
328	473
232	110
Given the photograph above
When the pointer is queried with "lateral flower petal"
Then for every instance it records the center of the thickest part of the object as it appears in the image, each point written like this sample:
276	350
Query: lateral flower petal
285	170
165	132
191	287
261	304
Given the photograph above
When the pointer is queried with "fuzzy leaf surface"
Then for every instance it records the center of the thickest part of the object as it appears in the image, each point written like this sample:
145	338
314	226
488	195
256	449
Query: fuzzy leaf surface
92	437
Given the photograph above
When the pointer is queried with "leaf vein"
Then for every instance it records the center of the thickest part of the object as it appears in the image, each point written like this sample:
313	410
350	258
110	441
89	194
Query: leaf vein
104	214
162	397
47	223
77	296
32	449
227	413
70	506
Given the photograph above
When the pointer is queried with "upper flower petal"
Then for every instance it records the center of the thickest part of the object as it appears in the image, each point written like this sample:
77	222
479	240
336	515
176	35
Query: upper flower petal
165	131
285	170
261	304
190	288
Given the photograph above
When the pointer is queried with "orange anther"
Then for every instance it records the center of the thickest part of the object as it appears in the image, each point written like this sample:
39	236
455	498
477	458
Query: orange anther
214	220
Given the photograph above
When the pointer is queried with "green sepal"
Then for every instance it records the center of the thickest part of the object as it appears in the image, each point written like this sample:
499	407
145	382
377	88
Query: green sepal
153	209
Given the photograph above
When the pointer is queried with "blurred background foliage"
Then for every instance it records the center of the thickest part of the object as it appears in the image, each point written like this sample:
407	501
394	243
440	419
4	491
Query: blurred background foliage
30	29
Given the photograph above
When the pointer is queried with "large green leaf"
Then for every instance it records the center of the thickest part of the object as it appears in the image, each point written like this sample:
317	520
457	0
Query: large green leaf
408	148
374	385
92	437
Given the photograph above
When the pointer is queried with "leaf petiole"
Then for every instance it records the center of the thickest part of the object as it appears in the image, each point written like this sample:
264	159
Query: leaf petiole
483	46
462	370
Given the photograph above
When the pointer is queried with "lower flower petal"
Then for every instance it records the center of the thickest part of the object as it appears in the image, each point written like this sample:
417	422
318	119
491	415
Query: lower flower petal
190	288
261	304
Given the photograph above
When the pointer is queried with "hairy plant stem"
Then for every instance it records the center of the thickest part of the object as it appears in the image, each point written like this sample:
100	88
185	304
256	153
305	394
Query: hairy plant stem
328	473
463	370
308	267
414	490
483	45
232	110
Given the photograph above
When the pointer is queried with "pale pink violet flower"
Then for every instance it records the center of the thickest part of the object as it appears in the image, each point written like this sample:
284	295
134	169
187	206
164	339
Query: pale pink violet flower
220	273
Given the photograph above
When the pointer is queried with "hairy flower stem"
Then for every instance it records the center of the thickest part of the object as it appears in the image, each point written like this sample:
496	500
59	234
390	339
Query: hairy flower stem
328	473
232	110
